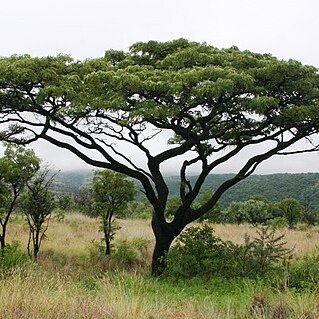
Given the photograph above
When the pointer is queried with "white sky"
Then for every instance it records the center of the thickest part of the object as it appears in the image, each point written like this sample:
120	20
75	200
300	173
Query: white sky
85	29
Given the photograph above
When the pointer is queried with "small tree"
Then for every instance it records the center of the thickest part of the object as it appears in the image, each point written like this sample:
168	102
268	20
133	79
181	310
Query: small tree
16	167
252	211
65	202
111	193
37	205
235	214
311	213
258	212
292	210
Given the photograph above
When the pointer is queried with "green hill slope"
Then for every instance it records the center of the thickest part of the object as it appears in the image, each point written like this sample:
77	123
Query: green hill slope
304	187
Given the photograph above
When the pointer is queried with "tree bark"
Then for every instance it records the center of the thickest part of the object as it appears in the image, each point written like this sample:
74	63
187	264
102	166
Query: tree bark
107	247
3	237
4	223
163	241
36	244
160	250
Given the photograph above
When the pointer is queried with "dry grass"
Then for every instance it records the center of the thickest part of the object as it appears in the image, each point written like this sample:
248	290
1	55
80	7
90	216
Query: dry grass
303	241
76	233
57	298
35	293
67	284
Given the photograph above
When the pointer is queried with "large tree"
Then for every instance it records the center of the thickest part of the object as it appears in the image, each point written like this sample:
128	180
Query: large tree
211	104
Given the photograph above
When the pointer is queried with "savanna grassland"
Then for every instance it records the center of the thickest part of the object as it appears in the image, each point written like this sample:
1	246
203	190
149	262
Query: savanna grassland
72	278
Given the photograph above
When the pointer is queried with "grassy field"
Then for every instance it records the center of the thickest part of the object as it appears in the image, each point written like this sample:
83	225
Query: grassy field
71	280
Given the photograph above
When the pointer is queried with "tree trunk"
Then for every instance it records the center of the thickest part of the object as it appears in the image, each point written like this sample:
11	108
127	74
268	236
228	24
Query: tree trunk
158	260
107	247
4	223
163	241
36	244
3	236
3	243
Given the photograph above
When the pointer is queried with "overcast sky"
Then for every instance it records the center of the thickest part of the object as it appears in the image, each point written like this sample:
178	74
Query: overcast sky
85	29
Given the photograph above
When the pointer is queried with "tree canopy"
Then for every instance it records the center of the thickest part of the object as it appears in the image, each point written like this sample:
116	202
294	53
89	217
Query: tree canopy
212	104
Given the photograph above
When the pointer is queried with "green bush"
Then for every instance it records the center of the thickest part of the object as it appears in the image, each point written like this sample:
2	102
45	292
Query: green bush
278	222
265	251
198	252
58	214
12	257
125	253
304	273
130	253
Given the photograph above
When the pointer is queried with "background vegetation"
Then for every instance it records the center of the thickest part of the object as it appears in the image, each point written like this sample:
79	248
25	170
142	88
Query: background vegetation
304	187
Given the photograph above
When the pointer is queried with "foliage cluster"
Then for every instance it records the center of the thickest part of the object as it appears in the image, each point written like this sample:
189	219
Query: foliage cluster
303	273
259	210
126	254
12	257
198	252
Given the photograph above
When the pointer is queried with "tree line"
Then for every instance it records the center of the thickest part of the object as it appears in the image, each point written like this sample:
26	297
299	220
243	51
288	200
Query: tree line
302	186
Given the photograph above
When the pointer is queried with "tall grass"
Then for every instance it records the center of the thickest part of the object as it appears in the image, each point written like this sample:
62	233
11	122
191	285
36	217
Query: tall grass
36	293
71	280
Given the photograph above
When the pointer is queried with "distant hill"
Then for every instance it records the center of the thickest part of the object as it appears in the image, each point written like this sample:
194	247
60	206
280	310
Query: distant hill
72	181
304	187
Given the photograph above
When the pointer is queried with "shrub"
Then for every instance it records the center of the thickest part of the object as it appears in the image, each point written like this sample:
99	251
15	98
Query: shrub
259	256
12	257
58	214
304	273
198	252
130	253
125	253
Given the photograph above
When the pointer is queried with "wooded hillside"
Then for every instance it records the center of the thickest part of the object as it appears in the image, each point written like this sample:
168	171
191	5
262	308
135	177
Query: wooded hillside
304	187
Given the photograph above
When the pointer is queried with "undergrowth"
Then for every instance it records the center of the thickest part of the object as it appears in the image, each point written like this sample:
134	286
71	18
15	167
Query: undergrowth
254	279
